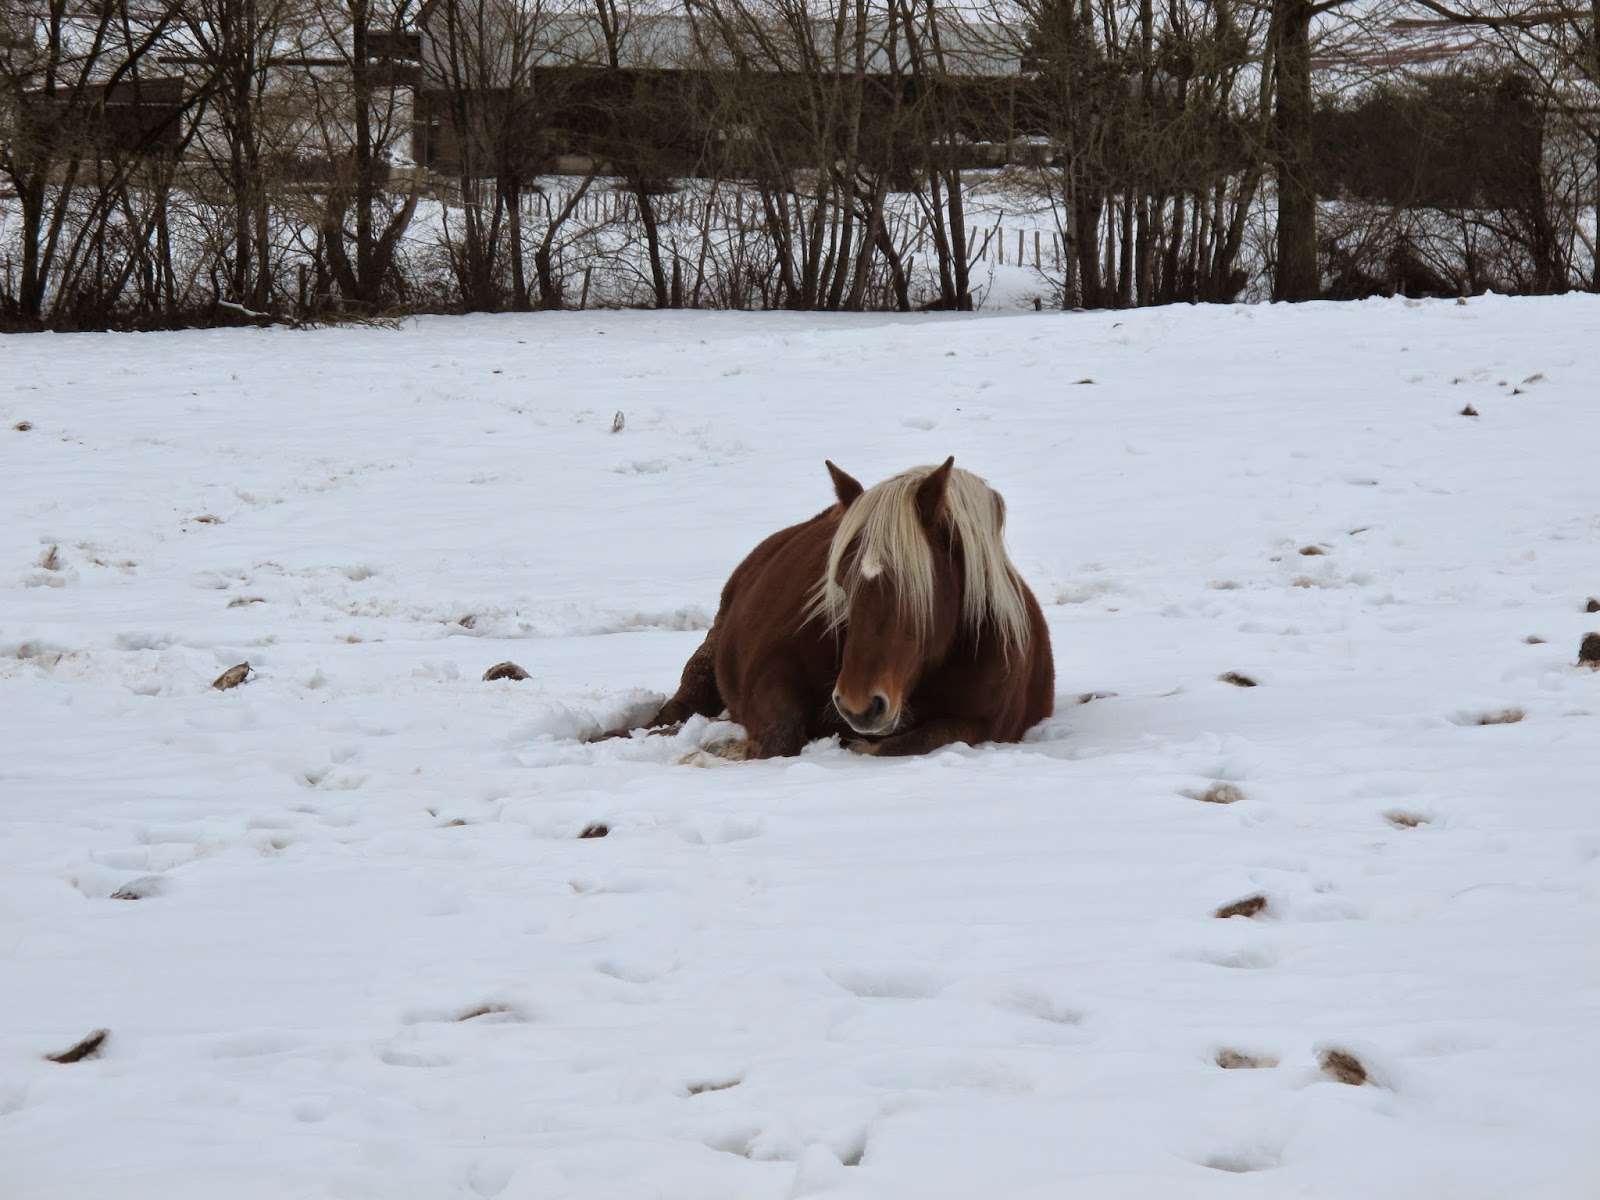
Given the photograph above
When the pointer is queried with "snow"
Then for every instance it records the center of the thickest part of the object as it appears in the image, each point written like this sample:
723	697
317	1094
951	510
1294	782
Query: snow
370	957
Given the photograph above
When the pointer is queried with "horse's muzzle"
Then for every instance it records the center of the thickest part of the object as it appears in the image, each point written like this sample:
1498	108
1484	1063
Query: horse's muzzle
873	720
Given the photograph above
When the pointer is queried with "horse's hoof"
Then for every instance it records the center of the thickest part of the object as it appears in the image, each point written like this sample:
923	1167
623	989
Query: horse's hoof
732	749
862	746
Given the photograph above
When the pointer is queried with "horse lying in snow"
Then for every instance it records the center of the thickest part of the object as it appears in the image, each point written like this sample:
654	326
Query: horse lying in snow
893	618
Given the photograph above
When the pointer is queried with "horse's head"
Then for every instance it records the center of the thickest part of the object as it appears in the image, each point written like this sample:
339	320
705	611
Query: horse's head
893	592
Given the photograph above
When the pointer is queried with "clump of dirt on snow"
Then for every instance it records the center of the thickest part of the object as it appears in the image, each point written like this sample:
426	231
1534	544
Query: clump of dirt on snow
503	1011
1248	907
1405	820
1343	1067
696	1089
87	1046
1503	716
232	677
1589	651
1238	1060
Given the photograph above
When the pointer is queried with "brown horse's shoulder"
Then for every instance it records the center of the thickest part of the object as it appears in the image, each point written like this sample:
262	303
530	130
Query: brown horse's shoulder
764	621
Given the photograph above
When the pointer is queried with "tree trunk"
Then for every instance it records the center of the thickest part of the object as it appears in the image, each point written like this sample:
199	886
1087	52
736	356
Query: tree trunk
1297	276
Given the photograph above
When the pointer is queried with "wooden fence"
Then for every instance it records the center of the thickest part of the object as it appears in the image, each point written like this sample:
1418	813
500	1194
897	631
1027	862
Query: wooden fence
1025	246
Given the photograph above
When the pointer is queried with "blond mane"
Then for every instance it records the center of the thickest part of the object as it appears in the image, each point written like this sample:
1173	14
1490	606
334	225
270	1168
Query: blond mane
883	526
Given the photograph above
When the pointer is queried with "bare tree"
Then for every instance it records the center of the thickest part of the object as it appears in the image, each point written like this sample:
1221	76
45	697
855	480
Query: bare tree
813	100
257	53
361	120
93	137
483	87
1155	142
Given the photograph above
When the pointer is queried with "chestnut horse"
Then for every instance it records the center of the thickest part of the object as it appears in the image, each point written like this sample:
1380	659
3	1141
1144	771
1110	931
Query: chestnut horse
894	619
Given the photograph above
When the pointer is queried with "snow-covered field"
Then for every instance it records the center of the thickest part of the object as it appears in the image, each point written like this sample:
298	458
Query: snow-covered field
365	953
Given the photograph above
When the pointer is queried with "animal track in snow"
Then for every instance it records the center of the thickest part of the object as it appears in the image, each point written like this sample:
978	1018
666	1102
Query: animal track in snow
720	832
1247	958
880	983
750	1141
1040	1005
142	888
410	1056
632	972
256	1044
489	1179
489	1012
1240	1162
734	1139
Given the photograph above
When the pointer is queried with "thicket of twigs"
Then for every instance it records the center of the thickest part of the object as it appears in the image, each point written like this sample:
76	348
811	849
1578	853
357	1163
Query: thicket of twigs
174	162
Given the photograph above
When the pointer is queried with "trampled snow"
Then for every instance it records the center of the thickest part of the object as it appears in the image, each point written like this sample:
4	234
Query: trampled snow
361	951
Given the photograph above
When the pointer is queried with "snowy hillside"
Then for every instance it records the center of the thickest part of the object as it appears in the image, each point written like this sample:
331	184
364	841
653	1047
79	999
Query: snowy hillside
348	942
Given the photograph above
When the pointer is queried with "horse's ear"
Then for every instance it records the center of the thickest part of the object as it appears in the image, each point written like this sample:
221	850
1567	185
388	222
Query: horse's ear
930	493
844	487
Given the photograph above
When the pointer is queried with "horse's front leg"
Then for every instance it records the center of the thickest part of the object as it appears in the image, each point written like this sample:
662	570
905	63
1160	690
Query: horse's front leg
697	695
920	739
774	715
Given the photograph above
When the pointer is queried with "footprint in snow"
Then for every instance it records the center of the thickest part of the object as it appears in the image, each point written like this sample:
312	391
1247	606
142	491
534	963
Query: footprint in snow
877	983
1247	958
1243	1161
1041	1006
489	1179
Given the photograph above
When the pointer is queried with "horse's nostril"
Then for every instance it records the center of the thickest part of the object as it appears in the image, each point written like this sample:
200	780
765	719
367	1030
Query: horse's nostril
873	714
